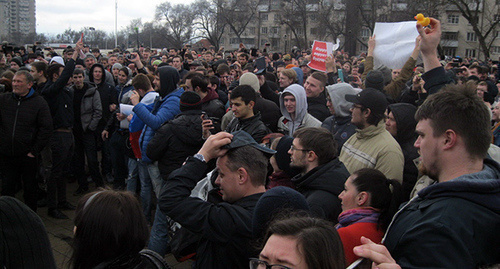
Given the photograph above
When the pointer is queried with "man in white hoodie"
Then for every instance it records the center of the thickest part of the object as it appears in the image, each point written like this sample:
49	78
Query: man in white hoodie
293	106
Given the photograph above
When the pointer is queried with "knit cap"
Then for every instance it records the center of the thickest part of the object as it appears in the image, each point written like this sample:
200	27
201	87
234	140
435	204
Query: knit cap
190	101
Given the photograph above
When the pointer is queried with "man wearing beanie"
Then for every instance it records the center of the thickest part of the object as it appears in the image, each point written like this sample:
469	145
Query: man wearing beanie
178	138
372	146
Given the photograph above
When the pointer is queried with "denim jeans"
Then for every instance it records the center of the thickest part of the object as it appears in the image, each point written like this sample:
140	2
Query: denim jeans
158	240
133	175
146	188
156	179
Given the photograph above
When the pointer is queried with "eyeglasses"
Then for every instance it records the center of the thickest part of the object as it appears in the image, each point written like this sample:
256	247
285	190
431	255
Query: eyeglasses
258	264
292	148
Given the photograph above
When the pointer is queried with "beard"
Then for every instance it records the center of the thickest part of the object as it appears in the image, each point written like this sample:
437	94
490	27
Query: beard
431	172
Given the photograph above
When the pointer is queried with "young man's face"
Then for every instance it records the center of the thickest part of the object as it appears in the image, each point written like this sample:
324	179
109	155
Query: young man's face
290	103
97	74
89	62
284	81
240	109
78	80
112	60
390	124
297	154
428	147
227	181
313	87
36	75
176	63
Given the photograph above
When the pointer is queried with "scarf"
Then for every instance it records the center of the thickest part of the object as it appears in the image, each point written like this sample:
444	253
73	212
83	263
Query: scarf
357	215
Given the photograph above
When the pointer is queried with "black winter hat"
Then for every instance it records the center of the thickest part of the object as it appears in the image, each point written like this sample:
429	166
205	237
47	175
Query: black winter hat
375	80
190	101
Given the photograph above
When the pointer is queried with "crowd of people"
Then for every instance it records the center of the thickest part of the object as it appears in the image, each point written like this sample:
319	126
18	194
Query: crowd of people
253	159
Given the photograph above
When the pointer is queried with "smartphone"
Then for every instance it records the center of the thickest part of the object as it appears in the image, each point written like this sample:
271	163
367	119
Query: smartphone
205	116
341	75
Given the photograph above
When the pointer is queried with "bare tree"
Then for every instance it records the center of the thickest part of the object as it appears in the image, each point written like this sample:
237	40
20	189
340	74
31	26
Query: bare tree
294	14
208	22
237	14
178	22
483	18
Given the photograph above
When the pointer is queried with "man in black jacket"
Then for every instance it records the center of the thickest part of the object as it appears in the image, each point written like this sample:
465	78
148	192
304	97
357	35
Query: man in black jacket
316	96
60	100
225	228
25	128
323	175
242	102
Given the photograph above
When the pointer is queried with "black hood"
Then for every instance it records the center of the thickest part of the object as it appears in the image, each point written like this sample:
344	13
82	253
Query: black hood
169	77
91	73
404	114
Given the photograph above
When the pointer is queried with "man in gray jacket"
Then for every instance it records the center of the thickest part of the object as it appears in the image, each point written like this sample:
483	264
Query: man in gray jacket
87	113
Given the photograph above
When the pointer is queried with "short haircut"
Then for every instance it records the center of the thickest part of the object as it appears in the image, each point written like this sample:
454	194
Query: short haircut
178	56
252	159
222	69
40	67
78	71
214	80
26	74
291	74
242	54
317	240
457	107
141	82
197	80
319	140
53	69
246	92
321	76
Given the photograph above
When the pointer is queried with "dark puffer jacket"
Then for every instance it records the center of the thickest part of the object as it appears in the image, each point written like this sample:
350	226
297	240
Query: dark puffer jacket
175	141
316	106
404	114
25	124
321	186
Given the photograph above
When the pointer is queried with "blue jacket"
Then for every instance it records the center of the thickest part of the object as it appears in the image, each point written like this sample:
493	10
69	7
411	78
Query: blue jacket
153	116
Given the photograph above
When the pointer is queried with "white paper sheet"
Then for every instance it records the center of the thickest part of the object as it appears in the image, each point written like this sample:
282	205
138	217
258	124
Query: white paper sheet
394	43
126	110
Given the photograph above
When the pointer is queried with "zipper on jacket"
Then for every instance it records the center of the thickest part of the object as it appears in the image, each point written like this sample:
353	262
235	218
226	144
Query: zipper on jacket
15	124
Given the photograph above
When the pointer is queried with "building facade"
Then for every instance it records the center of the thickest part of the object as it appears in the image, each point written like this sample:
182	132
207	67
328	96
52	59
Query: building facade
17	17
459	39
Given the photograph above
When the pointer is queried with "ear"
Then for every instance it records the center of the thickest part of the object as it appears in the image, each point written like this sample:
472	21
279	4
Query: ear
251	104
367	112
311	156
362	198
242	176
450	139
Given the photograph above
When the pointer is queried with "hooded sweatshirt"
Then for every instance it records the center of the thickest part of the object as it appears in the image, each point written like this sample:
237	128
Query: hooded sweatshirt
340	124
451	224
302	119
404	114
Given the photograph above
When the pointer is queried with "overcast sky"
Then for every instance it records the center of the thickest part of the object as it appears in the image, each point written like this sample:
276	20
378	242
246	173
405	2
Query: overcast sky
55	16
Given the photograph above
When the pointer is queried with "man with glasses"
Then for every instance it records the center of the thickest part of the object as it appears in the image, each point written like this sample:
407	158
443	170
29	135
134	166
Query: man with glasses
323	175
372	146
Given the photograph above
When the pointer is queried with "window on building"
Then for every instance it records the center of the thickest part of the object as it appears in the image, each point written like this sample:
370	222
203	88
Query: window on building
263	42
496	18
470	53
251	30
275	43
264	17
277	17
449	51
234	41
275	30
365	32
453	19
263	30
471	36
450	36
495	50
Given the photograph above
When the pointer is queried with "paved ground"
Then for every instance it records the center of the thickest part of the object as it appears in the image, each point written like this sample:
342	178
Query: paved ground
60	233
